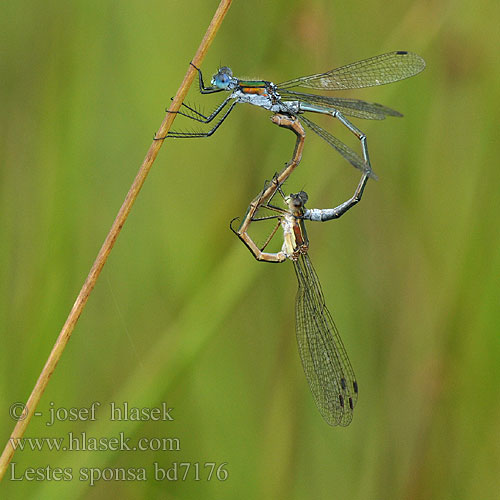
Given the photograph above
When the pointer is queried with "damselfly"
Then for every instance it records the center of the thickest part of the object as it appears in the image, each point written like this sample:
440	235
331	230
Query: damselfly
324	358
279	98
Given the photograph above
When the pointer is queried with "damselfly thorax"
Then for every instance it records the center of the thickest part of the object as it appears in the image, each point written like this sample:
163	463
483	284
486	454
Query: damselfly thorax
295	241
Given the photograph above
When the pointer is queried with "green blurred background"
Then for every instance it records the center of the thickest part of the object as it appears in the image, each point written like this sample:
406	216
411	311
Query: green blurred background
183	314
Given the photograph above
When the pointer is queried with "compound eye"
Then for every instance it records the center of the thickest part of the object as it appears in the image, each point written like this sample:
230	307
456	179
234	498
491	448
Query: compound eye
303	197
222	78
226	71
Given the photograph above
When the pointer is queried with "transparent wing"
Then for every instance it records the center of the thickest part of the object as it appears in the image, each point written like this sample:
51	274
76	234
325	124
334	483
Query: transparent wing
353	158
348	107
377	70
326	365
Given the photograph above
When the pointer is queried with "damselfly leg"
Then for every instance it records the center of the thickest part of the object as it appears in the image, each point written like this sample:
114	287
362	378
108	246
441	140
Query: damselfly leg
263	198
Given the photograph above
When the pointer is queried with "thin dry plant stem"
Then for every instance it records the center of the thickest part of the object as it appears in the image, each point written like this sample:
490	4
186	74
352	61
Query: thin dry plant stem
105	250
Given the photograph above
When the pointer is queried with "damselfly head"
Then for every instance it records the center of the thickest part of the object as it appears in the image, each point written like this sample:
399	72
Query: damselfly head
222	78
297	201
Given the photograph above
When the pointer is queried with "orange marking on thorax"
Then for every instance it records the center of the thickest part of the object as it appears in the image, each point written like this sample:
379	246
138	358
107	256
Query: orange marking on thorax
254	90
299	237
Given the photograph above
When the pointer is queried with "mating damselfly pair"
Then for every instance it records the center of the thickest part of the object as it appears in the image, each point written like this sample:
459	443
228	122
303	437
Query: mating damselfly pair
324	358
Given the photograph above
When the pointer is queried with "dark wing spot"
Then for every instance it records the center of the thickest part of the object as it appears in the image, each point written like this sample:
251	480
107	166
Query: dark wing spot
342	383
402	52
351	406
341	400
355	386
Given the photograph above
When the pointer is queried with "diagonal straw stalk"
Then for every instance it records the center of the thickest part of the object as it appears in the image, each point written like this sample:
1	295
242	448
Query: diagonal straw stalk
109	242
